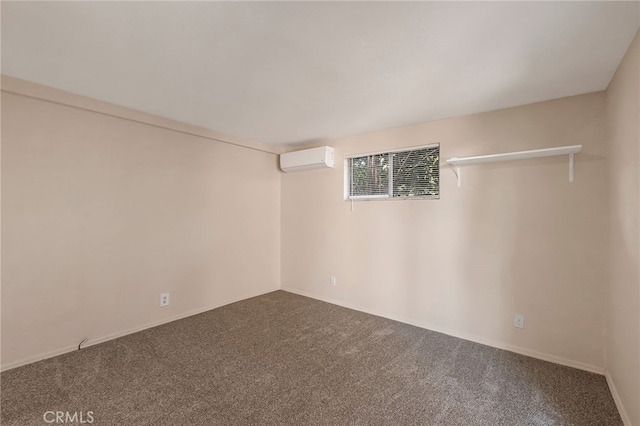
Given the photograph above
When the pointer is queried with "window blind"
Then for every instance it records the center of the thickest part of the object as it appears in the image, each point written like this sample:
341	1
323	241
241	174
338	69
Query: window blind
396	174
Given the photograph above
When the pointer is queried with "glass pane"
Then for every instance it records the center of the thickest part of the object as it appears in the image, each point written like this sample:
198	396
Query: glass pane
370	175
416	173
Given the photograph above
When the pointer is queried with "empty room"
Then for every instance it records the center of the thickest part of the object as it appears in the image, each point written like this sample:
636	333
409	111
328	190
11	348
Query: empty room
320	213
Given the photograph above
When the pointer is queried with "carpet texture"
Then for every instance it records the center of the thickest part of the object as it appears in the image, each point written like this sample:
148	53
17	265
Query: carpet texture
284	359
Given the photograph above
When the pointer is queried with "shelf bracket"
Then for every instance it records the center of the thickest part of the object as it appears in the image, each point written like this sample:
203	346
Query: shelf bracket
456	171
571	167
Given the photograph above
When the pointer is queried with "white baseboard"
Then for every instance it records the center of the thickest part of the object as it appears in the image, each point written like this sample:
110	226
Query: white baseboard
97	340
476	339
484	341
617	400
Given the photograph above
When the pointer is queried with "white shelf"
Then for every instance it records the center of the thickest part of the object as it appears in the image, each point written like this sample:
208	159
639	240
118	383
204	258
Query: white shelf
519	155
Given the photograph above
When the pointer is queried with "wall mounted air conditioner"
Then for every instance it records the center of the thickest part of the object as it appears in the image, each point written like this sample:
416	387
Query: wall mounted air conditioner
307	159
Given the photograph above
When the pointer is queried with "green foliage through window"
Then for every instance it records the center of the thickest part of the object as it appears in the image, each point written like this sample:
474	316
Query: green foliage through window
403	174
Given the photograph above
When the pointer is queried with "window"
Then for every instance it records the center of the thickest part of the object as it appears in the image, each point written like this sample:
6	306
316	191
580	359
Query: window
412	173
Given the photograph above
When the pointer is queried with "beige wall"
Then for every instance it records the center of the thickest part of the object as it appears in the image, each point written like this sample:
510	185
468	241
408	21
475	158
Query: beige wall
517	237
101	214
623	301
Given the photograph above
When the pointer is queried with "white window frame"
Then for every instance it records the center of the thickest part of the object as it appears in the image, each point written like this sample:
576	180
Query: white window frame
379	197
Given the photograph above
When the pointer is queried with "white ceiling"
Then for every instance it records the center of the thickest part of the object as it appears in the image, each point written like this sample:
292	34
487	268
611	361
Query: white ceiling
297	72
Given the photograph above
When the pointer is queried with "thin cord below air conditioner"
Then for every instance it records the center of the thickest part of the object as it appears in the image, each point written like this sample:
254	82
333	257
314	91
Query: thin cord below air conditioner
82	343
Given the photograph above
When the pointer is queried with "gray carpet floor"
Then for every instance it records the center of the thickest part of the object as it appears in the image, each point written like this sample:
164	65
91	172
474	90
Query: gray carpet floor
284	359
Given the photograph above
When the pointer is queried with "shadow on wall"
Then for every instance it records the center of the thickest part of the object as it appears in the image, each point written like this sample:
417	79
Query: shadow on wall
524	244
484	245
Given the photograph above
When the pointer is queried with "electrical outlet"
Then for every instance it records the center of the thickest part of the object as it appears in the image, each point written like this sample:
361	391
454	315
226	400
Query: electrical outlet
333	280
518	321
164	299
